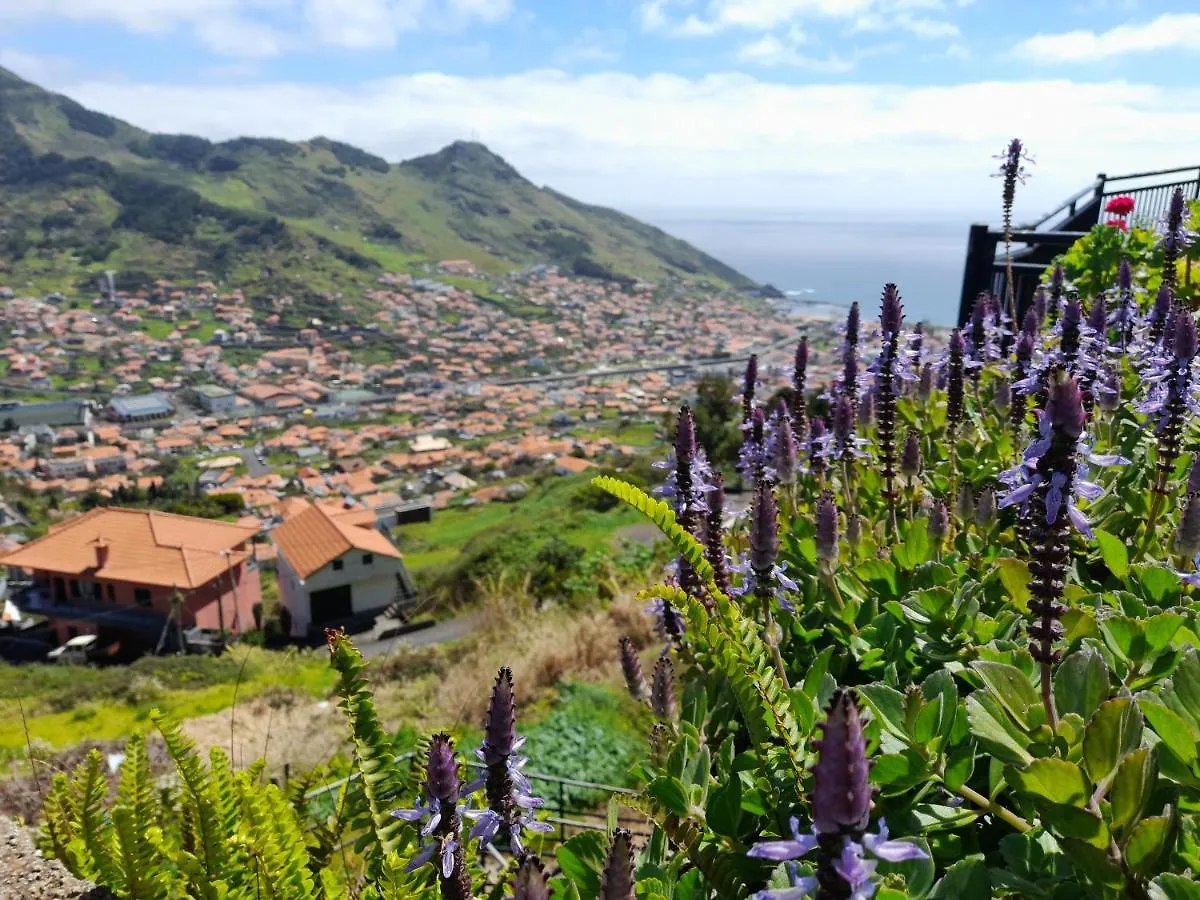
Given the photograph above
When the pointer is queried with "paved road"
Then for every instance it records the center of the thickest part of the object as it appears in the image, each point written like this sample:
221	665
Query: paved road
441	633
257	469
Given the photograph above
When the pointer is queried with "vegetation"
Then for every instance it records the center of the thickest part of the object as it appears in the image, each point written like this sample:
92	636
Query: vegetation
277	217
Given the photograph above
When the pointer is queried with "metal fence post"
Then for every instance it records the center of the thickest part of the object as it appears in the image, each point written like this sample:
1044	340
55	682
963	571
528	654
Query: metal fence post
562	812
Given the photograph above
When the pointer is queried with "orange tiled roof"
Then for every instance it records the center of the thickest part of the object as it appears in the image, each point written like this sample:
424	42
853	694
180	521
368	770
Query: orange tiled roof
144	546
319	535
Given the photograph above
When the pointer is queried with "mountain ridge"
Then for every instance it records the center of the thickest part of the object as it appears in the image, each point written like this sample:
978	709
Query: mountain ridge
88	191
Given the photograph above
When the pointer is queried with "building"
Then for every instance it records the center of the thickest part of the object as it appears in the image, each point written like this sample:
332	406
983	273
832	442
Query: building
118	572
336	567
14	415
269	398
141	408
215	399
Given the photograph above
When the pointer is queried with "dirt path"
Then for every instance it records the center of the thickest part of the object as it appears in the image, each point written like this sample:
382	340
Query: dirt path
26	875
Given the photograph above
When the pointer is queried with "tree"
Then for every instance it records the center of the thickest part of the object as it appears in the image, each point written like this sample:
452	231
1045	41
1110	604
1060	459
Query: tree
717	417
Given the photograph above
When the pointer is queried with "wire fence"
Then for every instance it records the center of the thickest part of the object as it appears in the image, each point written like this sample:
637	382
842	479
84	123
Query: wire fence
567	816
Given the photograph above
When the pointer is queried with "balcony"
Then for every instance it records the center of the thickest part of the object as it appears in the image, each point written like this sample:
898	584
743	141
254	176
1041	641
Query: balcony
38	598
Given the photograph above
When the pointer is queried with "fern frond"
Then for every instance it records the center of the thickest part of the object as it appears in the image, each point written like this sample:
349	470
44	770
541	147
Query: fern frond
199	804
373	754
270	833
93	830
719	867
664	517
134	815
57	826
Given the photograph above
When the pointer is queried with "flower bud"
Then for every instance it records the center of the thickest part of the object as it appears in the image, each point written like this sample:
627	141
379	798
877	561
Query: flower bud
891	312
1125	275
530	882
749	380
853	529
827	529
939	522
764	530
441	774
1064	406
1098	316
1185	336
800	369
841	792
616	880
985	509
662	693
1187	535
966	504
866	410
910	458
925	385
500	727
631	668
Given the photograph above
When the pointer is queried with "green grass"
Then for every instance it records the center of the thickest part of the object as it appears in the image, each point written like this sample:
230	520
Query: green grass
65	704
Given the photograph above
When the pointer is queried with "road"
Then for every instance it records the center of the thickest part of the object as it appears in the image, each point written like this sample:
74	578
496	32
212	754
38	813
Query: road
441	633
257	469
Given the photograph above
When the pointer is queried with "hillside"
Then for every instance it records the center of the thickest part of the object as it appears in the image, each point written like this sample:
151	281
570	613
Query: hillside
84	192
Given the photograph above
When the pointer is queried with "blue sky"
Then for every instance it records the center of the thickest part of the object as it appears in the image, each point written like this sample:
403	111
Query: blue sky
715	105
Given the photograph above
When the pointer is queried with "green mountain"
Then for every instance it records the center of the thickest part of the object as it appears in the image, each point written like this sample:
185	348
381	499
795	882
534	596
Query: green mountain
83	192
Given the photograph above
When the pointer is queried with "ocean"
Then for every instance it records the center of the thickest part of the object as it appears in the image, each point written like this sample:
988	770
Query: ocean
839	259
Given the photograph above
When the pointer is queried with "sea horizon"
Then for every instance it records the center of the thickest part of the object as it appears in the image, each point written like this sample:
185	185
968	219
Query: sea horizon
837	257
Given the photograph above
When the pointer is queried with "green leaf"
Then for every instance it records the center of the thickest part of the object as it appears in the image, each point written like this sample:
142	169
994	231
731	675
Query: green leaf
1147	844
670	793
887	705
880	576
1157	583
1009	685
582	858
1174	730
1174	887
917	873
1115	729
1014	575
1112	550
916	548
965	878
1081	683
1124	637
724	810
899	770
1131	788
1055	780
995	731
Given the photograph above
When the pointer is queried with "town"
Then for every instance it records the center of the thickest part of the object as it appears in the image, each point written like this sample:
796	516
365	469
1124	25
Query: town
316	440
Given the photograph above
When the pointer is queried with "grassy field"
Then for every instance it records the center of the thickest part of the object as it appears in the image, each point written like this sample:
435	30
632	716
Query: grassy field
63	705
547	508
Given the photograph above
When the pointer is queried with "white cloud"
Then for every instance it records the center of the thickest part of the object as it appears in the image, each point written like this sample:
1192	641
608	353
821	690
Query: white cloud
591	46
725	140
764	15
1170	31
773	51
256	28
926	29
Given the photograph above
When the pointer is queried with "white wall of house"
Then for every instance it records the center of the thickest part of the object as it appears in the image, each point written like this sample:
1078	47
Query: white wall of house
372	586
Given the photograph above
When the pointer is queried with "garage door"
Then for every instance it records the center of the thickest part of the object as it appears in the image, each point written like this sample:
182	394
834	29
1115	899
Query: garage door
331	605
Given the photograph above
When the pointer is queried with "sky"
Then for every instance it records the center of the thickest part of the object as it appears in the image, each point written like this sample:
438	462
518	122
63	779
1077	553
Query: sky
893	108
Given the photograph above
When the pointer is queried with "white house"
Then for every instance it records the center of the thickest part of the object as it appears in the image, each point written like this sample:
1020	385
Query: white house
335	565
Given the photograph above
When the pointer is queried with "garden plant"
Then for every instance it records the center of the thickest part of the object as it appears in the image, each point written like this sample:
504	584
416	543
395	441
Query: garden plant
949	650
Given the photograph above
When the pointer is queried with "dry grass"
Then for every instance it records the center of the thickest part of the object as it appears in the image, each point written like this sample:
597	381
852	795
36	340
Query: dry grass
449	687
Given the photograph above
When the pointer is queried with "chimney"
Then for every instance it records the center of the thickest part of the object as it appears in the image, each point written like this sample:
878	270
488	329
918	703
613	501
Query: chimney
101	553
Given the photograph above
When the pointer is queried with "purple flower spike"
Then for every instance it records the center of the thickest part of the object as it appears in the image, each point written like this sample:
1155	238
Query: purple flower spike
841	794
853	324
530	882
631	668
764	531
954	399
827	529
910	459
1163	302
1193	482
1064	408
1040	305
786	452
662	694
749	381
800	369
1125	275
441	774
816	444
714	534
925	385
1098	316
843	421
500	727
891	312
1184	344
1187	535
616	881
939	522
966	504
1176	238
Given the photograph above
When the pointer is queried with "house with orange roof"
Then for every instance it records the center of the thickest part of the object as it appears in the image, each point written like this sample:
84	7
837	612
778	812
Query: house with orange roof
119	572
336	567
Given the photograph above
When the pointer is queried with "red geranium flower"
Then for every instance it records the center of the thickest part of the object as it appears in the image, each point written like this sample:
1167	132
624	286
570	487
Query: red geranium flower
1120	206
1118	223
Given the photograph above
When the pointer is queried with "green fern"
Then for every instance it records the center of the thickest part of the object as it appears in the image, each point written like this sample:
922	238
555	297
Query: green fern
269	833
373	753
664	517
206	862
134	818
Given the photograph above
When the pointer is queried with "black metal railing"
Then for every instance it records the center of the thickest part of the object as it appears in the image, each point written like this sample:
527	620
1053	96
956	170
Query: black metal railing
1053	233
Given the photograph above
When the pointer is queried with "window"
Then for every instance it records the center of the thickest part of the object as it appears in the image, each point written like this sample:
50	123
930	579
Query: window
76	590
141	596
112	594
368	558
338	565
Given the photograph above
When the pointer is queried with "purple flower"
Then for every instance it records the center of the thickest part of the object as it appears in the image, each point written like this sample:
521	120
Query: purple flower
662	691
939	522
1176	237
954	367
841	443
668	621
841	809
616	879
925	385
1164	300
443	825
749	380
530	882
985	509
753	457
827	529
782	448
631	668
714	535
1193	482
764	529
816	446
910	458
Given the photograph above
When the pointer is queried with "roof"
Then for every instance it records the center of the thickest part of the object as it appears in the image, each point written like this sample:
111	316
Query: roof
316	537
144	547
143	405
212	391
